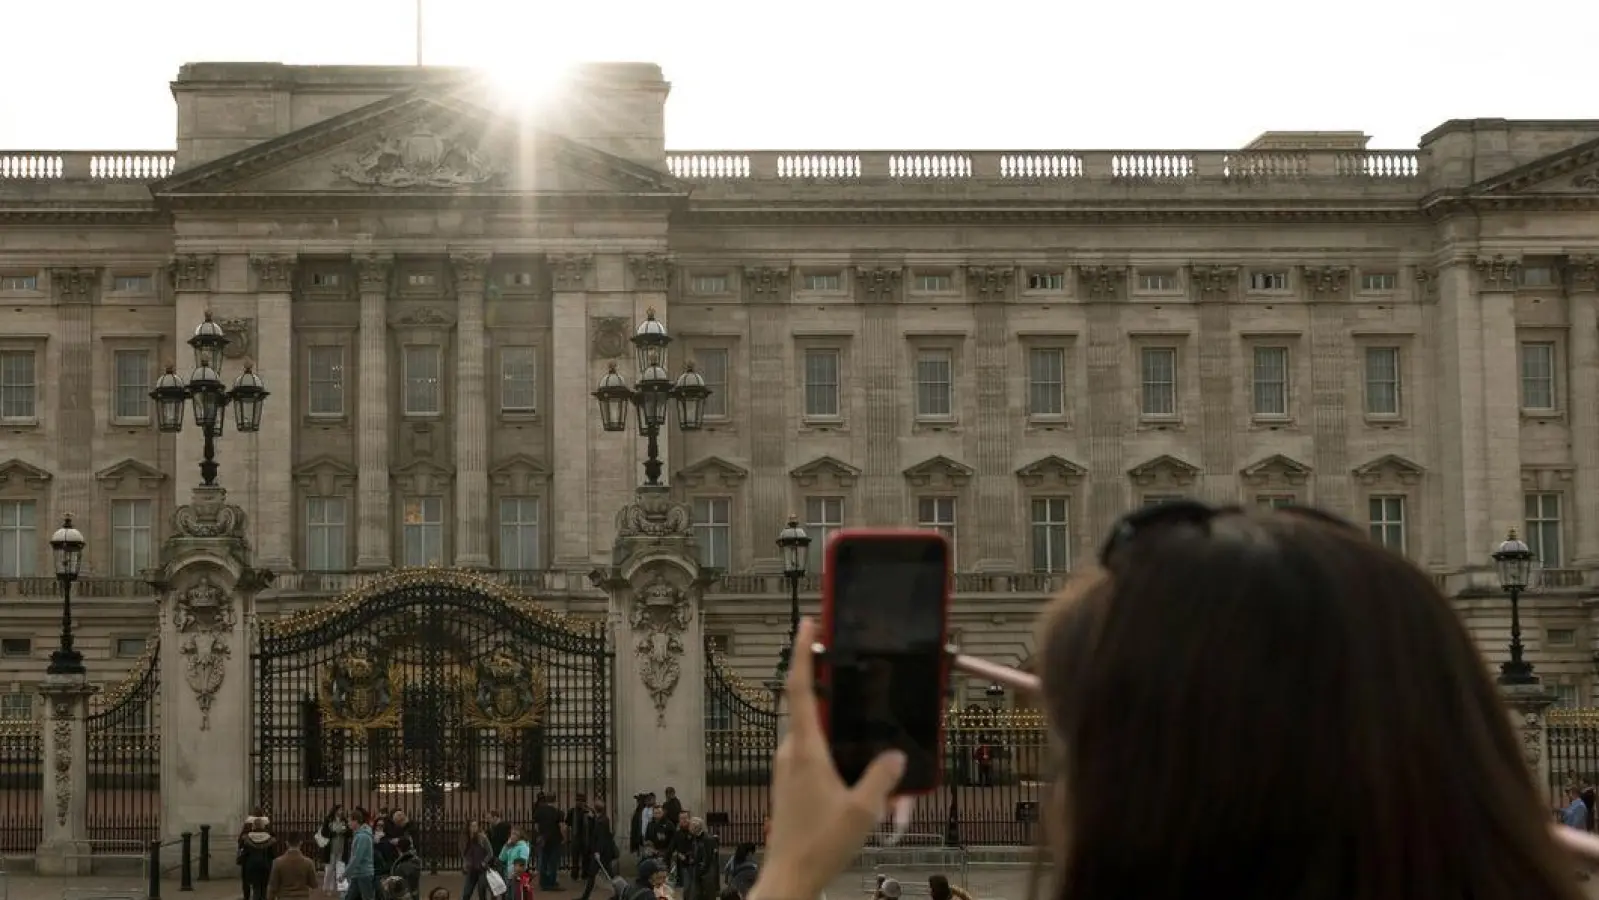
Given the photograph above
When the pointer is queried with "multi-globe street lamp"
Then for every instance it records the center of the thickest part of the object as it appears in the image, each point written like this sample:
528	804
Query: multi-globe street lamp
652	393
210	397
795	544
66	546
1514	561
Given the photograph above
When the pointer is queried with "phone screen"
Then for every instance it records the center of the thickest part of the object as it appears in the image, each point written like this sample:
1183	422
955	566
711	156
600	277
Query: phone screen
886	655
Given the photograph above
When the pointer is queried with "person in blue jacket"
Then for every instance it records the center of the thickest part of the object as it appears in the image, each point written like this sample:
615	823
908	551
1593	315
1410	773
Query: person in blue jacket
360	870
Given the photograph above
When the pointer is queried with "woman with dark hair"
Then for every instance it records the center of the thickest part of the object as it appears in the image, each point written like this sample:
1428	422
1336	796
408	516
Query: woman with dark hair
1250	704
741	869
939	888
333	847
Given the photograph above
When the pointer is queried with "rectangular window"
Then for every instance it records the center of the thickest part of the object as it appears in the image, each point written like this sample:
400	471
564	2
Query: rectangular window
19	538
325	381
937	514
1155	282
1378	282
934	284
423	531
1046	281
1560	637
823	516
131	371
325	279
325	522
1275	501
1271	382
1051	536
519	382
16	647
1566	696
824	282
132	536
713	531
421	279
712	366
19	282
1158	373
130	648
1382	381
935	376
18	385
1538	375
1268	281
132	284
423	381
1537	276
1046	381
516	279
1543	528
821	384
519	533
1385	516
16	707
708	284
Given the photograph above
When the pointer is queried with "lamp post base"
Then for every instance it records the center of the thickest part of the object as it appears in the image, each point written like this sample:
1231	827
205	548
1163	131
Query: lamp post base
1517	672
66	662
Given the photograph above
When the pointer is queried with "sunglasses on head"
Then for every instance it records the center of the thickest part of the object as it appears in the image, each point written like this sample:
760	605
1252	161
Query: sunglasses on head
1140	522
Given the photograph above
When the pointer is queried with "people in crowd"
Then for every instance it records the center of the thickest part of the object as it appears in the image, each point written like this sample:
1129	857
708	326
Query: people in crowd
741	870
333	847
258	849
477	854
673	807
699	868
396	828
579	818
549	827
439	893
408	865
651	878
887	889
499	831
643	815
1240	710
658	835
293	875
603	851
677	846
361	870
515	848
939	888
520	884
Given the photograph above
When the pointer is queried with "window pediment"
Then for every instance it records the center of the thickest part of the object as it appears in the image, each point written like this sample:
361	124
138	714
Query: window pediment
1546	478
713	471
18	475
422	477
1389	469
1051	471
519	474
1276	469
819	470
325	476
938	471
130	473
1164	471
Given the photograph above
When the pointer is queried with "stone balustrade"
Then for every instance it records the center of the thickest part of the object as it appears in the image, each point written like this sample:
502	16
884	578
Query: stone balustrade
86	165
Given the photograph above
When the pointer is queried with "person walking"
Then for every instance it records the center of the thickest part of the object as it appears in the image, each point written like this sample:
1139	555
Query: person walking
477	854
293	874
258	849
333	847
603	851
361	871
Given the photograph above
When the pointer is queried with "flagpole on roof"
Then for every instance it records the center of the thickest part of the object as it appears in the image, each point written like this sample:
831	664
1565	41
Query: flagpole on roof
419	32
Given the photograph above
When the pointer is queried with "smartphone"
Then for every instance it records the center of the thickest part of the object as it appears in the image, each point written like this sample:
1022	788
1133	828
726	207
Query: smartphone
885	612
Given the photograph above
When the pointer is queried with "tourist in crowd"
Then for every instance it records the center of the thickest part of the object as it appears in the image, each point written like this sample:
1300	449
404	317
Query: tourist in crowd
658	835
333	847
361	870
549	828
742	869
258	848
603	851
515	848
293	875
397	828
408	865
477	855
939	888
579	819
499	831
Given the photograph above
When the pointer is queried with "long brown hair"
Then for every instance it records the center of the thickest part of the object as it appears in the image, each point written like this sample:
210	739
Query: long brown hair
1268	705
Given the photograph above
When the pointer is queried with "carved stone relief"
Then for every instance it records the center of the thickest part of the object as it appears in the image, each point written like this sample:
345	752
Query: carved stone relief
273	274
1164	472
427	315
192	272
1582	274
1325	282
208	514
653	514
372	273
471	271
991	283
74	285
241	337
1532	738
822	470
610	337
1498	273
1103	282
651	271
765	284
879	285
423	158
61	735
661	613
1588	180
203	617
570	271
1213	282
1427	284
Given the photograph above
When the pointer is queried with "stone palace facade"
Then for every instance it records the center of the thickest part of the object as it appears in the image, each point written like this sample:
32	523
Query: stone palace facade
1013	347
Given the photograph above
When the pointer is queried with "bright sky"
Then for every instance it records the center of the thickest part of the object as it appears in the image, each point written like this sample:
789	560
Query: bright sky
859	74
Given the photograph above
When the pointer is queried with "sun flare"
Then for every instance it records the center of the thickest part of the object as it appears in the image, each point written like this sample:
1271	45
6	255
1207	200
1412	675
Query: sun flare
526	82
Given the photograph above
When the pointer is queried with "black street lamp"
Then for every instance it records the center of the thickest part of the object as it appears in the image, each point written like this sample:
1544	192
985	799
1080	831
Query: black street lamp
67	544
209	395
1514	559
996	696
652	393
795	544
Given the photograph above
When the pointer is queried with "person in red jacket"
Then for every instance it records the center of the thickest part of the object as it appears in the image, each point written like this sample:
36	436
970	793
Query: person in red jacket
521	885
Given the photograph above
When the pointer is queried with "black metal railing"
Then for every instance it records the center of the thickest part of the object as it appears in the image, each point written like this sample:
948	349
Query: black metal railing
995	777
1573	750
21	788
740	738
123	768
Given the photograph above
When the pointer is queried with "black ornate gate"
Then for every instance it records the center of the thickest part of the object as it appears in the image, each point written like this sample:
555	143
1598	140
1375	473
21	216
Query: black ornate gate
436	692
740	739
123	738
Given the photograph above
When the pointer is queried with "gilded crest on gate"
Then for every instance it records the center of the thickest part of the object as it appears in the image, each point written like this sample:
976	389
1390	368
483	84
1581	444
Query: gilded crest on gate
505	692
358	692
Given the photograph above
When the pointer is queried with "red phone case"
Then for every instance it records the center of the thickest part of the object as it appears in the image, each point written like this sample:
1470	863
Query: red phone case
824	671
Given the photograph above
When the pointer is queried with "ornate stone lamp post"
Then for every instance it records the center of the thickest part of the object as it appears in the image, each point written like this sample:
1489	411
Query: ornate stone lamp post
652	393
1514	560
209	396
67	547
795	544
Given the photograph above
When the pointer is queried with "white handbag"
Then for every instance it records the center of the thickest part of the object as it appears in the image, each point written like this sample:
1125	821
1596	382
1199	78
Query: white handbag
496	882
322	840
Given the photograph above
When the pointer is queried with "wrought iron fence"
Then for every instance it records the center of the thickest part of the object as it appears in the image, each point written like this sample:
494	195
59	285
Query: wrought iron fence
1573	751
21	788
740	738
123	737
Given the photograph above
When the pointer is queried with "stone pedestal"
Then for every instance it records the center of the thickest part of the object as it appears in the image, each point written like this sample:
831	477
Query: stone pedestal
206	589
1528	704
65	848
656	590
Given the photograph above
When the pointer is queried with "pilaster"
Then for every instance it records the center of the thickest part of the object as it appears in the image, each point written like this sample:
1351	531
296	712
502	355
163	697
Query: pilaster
1330	345
882	495
1215	287
471	424
274	446
64	849
1582	282
770	394
994	482
1106	418
574	369
1528	706
373	547
75	291
193	283
1499	390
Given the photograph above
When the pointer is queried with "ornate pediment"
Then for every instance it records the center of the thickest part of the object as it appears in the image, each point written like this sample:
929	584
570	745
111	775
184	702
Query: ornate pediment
1574	170
519	474
422	477
1544	479
1389	469
324	476
423	141
130	474
712	471
1051	470
938	471
1276	469
1164	471
18	475
824	470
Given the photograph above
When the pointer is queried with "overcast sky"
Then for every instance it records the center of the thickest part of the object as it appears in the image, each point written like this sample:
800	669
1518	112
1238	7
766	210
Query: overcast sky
858	74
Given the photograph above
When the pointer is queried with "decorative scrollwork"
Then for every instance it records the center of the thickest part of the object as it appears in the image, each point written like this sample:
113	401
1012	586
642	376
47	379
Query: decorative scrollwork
358	692
504	692
661	613
209	514
654	514
62	736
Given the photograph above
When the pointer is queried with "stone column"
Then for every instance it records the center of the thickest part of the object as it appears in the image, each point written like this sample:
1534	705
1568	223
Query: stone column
1500	401
994	487
770	392
206	591
65	848
572	412
1102	288
1330	349
192	284
374	550
471	415
274	501
1528	705
1582	279
1214	288
76	408
656	593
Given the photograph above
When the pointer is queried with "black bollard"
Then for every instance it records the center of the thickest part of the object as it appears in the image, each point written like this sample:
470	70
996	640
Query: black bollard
186	878
154	863
205	852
